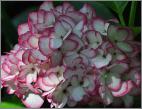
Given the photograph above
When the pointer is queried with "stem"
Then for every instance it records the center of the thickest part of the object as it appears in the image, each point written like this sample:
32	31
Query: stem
132	13
121	19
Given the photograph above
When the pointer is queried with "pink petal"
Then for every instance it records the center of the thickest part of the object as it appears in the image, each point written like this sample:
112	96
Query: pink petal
10	90
9	77
77	40
19	54
123	90
130	85
47	81
44	86
24	37
23	28
25	57
6	68
3	74
31	58
33	101
13	59
99	25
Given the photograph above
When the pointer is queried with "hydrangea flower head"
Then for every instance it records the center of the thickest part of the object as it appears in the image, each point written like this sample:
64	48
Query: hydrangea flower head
71	57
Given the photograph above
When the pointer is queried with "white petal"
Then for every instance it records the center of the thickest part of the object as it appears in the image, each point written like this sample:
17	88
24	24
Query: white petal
100	61
38	55
55	43
106	95
88	52
56	58
49	19
31	77
64	101
115	83
68	60
99	25
54	78
69	45
33	101
60	31
47	6
44	45
23	28
77	93
77	29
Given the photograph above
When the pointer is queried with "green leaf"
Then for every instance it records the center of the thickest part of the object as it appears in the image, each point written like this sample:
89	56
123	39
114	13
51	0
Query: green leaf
11	101
116	6
9	105
8	30
136	30
22	17
132	13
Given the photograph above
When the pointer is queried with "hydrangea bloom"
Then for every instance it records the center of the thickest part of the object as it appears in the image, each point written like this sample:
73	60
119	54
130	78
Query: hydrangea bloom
72	57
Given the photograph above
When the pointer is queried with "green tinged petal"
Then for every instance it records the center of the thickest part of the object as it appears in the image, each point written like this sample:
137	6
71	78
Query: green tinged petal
124	46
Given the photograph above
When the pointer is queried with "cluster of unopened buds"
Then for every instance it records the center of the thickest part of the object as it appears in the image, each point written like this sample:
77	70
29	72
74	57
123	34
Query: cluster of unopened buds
72	57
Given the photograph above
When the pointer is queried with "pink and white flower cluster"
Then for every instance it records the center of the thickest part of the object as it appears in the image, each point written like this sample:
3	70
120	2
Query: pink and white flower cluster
72	57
